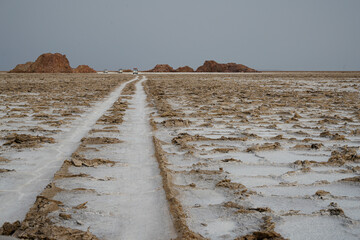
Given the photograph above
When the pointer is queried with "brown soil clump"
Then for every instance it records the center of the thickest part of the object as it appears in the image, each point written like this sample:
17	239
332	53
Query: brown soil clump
351	179
238	188
64	171
100	140
9	228
79	161
346	155
335	136
264	147
206	172
231	160
212	66
3	170
176	123
338	137
111	119
81	206
162	68
65	216
243	210
314	146
267	232
224	150
185	69
322	193
325	134
183	138
83	69
226	183
26	141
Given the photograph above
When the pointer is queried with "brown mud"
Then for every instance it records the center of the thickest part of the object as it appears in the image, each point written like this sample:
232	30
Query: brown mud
26	140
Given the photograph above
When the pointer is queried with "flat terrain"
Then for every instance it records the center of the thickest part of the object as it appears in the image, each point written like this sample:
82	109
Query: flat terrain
188	156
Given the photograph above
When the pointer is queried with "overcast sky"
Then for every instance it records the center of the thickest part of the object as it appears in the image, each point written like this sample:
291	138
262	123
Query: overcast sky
113	34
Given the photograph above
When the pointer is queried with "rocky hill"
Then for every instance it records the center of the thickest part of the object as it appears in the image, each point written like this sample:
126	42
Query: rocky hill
162	68
185	69
50	63
212	66
83	69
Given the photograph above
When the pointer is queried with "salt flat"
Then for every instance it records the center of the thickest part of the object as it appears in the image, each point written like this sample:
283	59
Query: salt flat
233	156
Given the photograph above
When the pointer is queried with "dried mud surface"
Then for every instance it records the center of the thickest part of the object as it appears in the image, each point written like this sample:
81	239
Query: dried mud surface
244	156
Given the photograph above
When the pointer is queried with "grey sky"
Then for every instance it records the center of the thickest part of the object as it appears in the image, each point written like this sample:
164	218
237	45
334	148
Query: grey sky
263	34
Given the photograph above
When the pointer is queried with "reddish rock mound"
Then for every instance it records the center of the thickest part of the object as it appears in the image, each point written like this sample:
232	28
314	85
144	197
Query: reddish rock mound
212	66
162	68
22	68
185	69
84	69
51	63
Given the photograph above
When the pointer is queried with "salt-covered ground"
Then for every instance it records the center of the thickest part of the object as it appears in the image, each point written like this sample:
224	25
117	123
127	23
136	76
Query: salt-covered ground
64	108
276	155
125	200
236	156
104	181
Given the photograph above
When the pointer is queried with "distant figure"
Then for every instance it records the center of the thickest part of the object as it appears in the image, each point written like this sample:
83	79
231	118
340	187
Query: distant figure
120	70
106	71
135	71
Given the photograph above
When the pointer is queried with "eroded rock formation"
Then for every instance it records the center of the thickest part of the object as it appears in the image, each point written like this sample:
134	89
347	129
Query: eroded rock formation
51	63
162	68
185	69
212	66
84	69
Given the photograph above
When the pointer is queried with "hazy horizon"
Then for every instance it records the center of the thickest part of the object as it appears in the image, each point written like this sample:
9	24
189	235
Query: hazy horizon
280	35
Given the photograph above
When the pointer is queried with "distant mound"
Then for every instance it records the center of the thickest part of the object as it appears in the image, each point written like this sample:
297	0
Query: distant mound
22	68
212	66
83	69
50	63
185	69
208	66
162	68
